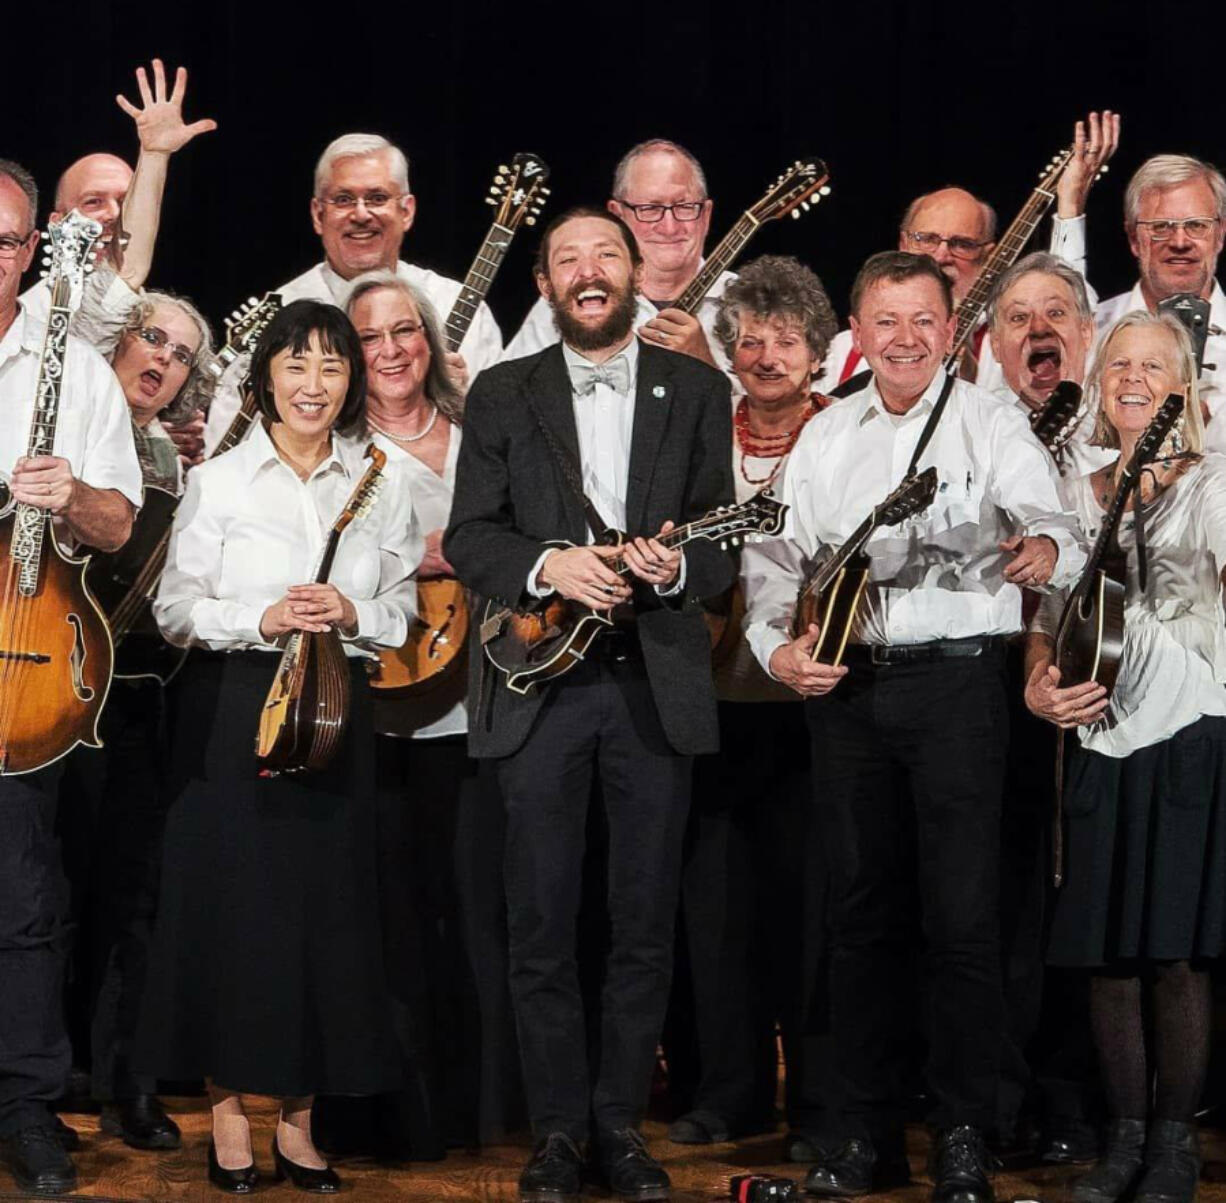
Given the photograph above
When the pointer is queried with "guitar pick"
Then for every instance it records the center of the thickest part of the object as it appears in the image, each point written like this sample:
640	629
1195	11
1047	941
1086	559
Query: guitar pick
658	391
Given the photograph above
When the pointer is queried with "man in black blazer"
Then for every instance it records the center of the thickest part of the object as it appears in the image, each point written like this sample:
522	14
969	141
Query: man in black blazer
646	433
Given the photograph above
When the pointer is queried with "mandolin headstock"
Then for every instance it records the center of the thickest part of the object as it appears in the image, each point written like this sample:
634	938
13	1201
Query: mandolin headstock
913	495
759	517
797	190
519	191
1057	421
68	254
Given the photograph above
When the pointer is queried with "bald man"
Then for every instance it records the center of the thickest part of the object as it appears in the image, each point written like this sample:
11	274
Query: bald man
959	231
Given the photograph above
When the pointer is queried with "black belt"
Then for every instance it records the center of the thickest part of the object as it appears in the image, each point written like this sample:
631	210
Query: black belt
880	655
617	644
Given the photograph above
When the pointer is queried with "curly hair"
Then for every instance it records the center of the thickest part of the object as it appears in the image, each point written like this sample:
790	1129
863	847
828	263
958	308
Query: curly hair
197	390
777	286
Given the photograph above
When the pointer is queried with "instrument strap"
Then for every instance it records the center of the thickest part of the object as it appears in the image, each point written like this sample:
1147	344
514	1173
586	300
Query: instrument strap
1138	531
572	474
930	426
1057	822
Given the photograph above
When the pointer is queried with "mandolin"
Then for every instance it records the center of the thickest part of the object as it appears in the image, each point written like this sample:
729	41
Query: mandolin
303	719
534	644
55	648
1090	637
832	590
1056	423
438	634
797	190
126	580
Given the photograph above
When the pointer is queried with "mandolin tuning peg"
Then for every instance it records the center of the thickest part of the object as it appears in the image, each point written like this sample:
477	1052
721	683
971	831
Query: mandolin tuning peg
489	200
251	301
796	213
824	190
723	545
503	168
529	221
804	205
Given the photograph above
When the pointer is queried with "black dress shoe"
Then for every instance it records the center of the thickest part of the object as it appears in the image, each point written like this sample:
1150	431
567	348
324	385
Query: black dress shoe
70	1138
141	1123
554	1174
233	1182
628	1169
38	1161
700	1128
1172	1163
1119	1167
961	1167
855	1170
315	1182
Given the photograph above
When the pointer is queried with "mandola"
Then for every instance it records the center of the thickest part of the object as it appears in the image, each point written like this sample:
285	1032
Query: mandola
831	592
303	719
535	644
799	188
438	633
55	648
126	580
1090	637
1056	423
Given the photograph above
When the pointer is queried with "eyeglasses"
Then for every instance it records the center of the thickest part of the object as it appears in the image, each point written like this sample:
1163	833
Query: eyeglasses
682	210
375	202
1197	228
10	244
959	247
157	337
401	333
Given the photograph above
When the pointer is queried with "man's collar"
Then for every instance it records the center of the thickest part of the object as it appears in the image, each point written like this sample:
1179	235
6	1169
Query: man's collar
874	406
338	286
575	358
22	335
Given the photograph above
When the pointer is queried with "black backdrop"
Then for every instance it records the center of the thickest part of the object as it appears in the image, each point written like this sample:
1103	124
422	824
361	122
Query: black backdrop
898	98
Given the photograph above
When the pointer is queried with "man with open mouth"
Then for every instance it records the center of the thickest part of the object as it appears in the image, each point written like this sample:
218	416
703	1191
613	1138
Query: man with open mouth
362	209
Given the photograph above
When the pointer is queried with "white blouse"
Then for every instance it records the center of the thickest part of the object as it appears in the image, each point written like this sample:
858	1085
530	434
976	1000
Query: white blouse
248	528
1174	661
432	496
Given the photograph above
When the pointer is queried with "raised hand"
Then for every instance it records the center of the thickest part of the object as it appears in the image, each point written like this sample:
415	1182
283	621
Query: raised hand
1094	142
159	123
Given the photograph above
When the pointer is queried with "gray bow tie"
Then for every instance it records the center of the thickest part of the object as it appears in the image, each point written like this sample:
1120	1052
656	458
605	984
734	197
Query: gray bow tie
615	374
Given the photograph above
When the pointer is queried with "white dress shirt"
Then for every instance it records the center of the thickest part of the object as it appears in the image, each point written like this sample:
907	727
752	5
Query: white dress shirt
939	575
1079	455
93	431
248	528
482	345
604	421
1068	240
431	496
1173	667
539	330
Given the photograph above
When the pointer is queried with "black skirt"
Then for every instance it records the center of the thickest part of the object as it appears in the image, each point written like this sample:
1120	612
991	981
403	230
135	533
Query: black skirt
266	972
1145	841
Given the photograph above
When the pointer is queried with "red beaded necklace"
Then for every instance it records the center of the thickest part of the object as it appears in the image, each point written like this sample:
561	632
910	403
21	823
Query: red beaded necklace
769	446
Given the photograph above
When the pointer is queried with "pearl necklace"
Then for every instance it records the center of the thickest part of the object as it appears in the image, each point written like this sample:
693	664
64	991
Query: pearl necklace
405	438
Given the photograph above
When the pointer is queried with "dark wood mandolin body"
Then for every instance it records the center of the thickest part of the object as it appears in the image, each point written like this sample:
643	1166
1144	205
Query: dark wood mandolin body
1090	640
834	610
55	660
302	728
535	646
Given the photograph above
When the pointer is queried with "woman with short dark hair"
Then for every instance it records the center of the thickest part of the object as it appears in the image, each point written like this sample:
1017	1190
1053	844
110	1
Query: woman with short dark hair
267	973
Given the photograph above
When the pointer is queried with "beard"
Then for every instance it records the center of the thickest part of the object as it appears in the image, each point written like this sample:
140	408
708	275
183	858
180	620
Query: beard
613	330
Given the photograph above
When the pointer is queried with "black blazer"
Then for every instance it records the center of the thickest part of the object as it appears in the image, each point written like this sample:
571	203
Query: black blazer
510	498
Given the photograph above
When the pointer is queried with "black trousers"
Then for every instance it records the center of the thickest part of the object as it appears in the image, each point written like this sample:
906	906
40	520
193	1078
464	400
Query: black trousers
34	1049
751	938
600	721
908	766
112	815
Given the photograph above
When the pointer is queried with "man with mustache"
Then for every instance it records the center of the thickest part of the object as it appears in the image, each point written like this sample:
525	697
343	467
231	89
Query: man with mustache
1175	219
910	732
660	192
361	210
643	435
959	231
1041	326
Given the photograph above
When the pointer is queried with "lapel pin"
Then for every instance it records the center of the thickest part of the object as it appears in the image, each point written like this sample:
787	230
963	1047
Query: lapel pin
658	391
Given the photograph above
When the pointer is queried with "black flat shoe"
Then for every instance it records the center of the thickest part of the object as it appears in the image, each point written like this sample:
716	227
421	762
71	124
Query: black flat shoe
628	1169
38	1161
961	1167
1120	1166
314	1182
1172	1163
233	1182
141	1123
855	1170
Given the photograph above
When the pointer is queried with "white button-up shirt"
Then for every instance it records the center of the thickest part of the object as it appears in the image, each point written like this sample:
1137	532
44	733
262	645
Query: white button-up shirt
482	345
93	431
539	330
249	527
939	575
1079	455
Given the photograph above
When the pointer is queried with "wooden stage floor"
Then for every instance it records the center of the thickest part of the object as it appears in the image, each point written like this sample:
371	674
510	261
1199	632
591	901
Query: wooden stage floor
109	1170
